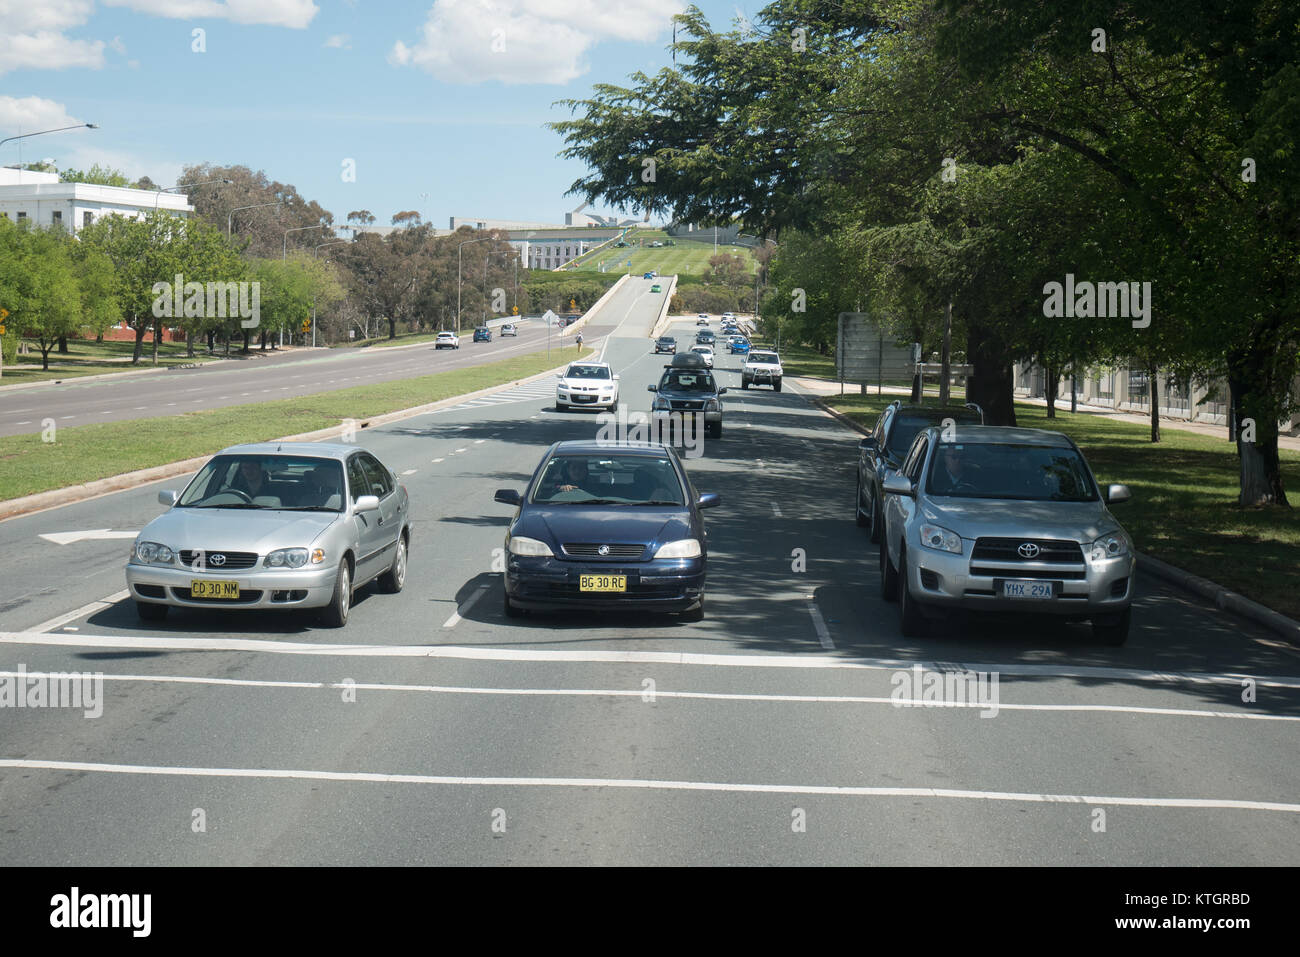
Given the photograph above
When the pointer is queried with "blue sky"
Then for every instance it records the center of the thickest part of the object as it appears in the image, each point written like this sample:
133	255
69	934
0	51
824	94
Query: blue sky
296	87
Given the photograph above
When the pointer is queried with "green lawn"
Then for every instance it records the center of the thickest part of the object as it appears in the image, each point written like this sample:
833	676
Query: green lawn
88	452
686	257
1184	507
87	357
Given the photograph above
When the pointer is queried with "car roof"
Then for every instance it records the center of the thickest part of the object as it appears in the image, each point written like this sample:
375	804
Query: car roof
589	362
1010	435
938	412
320	450
592	447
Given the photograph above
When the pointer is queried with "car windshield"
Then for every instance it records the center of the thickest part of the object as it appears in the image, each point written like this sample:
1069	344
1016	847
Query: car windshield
587	372
1024	472
666	340
607	479
296	483
688	382
906	427
757	357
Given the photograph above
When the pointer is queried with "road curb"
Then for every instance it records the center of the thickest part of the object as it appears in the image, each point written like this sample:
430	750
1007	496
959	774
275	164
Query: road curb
100	376
1222	598
57	498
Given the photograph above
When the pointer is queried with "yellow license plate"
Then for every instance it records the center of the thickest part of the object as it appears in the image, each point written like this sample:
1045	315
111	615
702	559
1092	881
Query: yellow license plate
602	583
211	589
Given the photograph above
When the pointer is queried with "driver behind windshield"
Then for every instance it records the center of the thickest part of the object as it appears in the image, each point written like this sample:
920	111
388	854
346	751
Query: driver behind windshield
566	475
689	382
251	478
949	469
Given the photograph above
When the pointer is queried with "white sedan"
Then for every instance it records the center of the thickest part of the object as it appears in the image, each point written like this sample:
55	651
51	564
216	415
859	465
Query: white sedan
447	340
706	352
586	385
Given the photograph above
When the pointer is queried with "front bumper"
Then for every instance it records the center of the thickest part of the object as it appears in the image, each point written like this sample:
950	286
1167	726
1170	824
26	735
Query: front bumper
258	587
765	376
667	585
586	400
946	579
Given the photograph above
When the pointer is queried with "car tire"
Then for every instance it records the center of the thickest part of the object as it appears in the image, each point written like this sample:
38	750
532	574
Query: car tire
1114	632
510	608
858	517
561	408
393	580
614	407
744	383
695	614
911	619
148	611
715	431
888	575
776	386
335	614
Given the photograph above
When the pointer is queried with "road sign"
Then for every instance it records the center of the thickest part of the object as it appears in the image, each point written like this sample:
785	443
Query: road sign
867	354
550	318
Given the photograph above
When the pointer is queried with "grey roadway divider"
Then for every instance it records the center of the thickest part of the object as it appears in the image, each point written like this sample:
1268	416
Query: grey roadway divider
661	324
54	498
1223	598
595	308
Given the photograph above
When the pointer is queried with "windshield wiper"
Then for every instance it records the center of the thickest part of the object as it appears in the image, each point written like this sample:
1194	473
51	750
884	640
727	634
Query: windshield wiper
309	508
236	505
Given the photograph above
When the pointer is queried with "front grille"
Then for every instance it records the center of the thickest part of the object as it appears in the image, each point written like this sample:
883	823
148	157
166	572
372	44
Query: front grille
592	550
687	406
246	597
1050	551
1055	574
231	561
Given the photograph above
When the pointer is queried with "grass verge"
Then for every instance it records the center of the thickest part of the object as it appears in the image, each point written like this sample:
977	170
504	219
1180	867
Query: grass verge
89	452
1184	509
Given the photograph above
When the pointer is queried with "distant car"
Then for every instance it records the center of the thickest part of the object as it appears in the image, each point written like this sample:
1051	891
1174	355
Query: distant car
586	385
689	389
702	321
705	338
649	275
762	368
728	315
706	352
482	334
603	529
738	345
882	451
655	288
1006	520
509	329
274	525
705	317
666	344
447	340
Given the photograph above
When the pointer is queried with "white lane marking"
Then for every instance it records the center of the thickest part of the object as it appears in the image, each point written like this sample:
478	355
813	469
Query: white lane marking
410	472
823	633
776	510
798	661
465	449
456	615
87	609
479	441
436	461
68	417
92	535
139	407
683	695
111	411
29	422
374	777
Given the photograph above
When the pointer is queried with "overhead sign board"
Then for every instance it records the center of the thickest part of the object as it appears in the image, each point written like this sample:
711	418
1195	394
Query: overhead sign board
867	354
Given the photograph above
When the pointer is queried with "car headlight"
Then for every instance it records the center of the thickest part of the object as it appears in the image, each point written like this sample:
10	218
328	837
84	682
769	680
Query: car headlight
682	548
662	405
1114	545
292	558
940	538
712	405
153	553
529	547
608	388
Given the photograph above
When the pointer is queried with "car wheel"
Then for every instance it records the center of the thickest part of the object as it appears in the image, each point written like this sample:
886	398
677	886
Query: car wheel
561	408
777	385
858	517
1115	631
510	608
392	580
335	614
614	406
888	574
914	624
694	614
715	431
744	383
148	611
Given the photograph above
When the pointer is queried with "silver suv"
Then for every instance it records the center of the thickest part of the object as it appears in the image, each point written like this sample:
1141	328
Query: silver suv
1004	519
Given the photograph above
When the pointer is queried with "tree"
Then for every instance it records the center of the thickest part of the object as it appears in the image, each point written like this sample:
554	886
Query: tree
97	175
38	284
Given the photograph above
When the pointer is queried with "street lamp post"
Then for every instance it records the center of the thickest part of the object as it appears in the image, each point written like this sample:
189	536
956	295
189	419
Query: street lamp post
23	136
284	250
230	218
157	329
458	273
334	242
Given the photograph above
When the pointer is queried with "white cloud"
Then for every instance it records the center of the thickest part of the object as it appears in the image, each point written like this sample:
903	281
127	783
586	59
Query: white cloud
117	45
525	41
281	13
338	42
36	16
32	37
30	113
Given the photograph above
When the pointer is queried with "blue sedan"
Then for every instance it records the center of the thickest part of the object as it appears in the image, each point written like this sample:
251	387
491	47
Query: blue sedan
607	527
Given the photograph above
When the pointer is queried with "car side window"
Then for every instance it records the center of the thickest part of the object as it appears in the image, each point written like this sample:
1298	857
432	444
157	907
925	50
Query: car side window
882	425
914	461
358	484
381	482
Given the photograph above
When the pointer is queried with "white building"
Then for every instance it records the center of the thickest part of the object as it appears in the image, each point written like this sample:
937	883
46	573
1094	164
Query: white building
550	253
41	199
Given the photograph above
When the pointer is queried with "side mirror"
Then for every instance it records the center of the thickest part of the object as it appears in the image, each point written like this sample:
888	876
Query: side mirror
366	503
652	388
708	500
868	444
896	483
616	378
508	496
559	375
1118	493
722	391
168	498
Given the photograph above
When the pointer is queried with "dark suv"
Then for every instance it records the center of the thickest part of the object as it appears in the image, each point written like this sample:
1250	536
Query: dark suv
688	388
482	334
666	344
883	450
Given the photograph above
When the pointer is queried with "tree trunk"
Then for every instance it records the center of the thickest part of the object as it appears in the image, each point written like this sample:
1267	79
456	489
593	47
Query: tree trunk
945	357
63	345
189	344
991	384
1051	385
139	341
212	341
245	340
45	355
1260	468
1153	393
1074	386
392	328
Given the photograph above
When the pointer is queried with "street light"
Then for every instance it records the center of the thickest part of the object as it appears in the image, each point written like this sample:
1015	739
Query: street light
168	189
334	242
458	280
230	218
23	136
284	251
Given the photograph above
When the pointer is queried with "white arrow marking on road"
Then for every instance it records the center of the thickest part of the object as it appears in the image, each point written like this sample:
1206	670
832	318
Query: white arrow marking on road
94	535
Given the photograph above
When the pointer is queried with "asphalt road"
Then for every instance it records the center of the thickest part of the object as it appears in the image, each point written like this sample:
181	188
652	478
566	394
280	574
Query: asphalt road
215	385
765	734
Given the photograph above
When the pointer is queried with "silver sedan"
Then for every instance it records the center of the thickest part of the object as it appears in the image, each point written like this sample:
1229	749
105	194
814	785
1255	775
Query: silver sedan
274	525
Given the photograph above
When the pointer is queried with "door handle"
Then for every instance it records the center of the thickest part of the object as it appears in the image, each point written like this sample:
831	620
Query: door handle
381	520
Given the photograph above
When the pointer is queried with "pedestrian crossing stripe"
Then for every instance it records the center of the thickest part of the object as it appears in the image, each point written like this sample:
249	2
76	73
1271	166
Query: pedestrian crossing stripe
521	393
